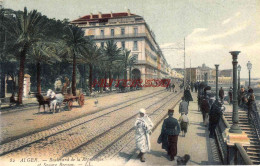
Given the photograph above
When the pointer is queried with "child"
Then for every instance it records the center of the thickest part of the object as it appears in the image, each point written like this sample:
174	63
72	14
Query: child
184	121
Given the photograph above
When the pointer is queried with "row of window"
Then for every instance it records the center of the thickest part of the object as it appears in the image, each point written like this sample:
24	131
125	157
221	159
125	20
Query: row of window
112	31
135	48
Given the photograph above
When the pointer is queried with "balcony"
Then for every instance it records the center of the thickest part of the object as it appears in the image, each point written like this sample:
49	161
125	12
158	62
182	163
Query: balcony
131	35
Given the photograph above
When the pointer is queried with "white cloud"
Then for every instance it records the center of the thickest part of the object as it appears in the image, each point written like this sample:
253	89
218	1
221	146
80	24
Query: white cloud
231	18
226	21
200	37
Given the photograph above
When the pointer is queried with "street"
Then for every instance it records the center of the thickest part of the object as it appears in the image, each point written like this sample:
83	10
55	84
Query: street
97	135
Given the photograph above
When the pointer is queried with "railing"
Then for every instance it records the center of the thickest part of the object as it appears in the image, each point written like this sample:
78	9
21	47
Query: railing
221	144
255	119
119	36
230	155
241	157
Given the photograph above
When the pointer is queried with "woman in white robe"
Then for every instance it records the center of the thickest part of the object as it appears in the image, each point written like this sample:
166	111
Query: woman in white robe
143	126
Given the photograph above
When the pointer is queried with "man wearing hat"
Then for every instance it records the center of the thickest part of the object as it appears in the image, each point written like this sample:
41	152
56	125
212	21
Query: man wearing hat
169	135
143	128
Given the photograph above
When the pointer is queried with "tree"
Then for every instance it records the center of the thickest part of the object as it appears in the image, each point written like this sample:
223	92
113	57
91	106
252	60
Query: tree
75	45
128	60
6	59
43	53
92	56
112	53
26	29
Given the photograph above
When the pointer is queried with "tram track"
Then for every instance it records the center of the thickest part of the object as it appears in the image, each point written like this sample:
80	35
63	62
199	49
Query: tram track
23	143
129	130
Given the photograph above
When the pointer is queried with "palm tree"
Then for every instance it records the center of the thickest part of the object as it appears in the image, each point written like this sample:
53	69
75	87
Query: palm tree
92	56
128	60
42	52
26	29
75	46
112	53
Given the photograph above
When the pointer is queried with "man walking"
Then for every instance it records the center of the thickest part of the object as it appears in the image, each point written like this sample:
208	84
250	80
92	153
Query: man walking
221	95
169	135
183	107
143	128
214	117
205	107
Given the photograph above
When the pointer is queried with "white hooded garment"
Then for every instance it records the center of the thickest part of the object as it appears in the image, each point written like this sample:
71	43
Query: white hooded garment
143	127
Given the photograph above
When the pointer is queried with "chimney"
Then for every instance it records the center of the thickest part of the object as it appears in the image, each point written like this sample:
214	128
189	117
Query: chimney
128	12
111	14
91	15
99	15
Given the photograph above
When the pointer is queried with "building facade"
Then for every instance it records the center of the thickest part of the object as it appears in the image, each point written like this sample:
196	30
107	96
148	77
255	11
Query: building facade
131	32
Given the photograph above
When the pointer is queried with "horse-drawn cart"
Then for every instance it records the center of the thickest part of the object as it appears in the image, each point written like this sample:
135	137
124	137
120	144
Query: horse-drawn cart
66	99
69	99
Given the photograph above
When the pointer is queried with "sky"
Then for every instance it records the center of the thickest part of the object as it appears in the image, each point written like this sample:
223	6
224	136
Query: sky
211	28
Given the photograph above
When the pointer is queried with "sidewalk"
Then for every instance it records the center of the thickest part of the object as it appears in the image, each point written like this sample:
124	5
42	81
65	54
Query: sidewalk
197	144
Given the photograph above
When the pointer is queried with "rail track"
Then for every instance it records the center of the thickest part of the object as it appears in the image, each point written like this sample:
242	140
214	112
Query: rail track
18	146
120	135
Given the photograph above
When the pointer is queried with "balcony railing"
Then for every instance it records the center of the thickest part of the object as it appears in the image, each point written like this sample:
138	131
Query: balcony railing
119	36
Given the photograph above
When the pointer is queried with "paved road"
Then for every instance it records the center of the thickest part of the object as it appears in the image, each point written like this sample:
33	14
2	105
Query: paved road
21	123
73	137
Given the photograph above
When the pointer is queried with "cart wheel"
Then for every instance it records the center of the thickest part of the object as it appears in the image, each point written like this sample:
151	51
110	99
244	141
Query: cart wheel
81	100
70	103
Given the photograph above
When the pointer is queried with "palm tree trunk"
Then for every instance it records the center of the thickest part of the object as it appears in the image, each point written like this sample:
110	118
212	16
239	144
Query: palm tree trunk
38	77
2	92
105	82
21	76
101	85
110	80
73	86
90	77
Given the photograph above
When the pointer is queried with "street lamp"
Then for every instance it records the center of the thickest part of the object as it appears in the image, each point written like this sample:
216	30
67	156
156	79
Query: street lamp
249	67
217	81
238	69
235	128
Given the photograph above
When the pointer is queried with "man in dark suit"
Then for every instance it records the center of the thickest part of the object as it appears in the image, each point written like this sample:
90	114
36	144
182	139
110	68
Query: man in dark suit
169	135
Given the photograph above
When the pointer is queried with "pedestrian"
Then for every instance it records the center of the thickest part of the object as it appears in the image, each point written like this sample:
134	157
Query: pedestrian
196	86
169	135
242	97
183	107
250	102
230	94
221	95
173	86
184	122
192	86
214	117
205	108
187	95
143	128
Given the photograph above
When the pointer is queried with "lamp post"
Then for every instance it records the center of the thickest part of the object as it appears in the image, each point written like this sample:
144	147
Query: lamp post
238	69
235	128
217	81
249	67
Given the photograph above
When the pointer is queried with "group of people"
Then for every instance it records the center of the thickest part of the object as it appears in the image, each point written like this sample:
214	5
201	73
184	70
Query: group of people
245	98
170	87
210	108
170	131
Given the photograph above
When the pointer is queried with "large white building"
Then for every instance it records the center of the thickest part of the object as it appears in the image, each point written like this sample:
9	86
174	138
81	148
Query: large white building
131	32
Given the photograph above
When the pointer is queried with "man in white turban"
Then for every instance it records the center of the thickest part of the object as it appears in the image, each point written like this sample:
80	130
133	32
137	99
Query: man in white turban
143	128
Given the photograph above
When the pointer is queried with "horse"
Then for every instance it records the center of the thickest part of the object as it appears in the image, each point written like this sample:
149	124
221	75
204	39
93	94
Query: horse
42	101
56	100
